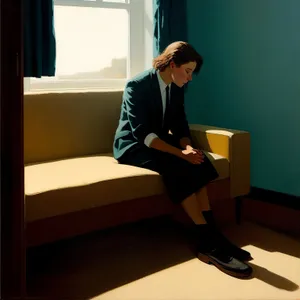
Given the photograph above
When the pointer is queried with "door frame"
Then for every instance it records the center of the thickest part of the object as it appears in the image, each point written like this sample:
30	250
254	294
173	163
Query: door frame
13	250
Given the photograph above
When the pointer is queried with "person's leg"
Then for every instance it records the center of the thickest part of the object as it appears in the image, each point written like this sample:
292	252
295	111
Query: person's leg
207	213
193	209
202	199
209	246
183	180
204	203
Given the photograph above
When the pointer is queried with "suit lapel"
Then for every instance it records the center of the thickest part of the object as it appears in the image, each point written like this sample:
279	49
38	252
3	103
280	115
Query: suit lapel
156	96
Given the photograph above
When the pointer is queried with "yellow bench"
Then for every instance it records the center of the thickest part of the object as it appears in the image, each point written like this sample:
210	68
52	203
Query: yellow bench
73	185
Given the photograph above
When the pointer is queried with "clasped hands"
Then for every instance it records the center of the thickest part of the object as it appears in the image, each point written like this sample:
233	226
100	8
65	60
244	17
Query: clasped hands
192	155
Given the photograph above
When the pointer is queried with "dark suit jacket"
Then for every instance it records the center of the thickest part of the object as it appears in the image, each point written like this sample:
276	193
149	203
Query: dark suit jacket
142	113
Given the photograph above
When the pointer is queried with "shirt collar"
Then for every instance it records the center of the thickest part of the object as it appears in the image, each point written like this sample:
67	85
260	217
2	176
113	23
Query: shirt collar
162	84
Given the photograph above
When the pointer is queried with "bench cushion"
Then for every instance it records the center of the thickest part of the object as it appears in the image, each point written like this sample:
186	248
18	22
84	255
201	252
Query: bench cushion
69	185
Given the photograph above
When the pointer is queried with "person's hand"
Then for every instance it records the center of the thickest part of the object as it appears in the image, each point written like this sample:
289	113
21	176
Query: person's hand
194	149
192	155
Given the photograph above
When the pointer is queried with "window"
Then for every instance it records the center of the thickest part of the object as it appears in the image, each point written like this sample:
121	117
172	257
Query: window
99	44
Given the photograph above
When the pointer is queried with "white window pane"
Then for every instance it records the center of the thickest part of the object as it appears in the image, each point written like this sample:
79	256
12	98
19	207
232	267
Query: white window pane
91	42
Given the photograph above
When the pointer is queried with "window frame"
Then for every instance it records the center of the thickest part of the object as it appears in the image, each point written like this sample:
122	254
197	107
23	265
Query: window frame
139	56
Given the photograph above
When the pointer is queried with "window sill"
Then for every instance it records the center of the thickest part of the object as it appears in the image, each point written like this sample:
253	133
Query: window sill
72	91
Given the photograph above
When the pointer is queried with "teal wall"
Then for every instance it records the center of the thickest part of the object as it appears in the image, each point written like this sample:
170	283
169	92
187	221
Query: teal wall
250	80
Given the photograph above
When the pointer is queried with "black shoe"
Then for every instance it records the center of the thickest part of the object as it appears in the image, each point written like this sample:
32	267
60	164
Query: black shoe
231	248
224	262
210	249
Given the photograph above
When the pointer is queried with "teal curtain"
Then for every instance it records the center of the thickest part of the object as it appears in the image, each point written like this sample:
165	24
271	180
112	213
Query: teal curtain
39	38
170	23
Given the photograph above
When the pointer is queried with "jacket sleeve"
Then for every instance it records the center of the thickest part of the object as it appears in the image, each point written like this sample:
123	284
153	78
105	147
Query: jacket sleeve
180	127
137	108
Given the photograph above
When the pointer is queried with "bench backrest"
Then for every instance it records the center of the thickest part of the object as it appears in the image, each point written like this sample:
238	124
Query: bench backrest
65	125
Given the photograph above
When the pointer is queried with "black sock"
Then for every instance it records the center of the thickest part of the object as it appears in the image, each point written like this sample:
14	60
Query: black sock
203	231
204	237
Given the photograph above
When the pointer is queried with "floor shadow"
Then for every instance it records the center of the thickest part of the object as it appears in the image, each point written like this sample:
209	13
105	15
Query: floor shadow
273	279
91	265
94	264
264	238
250	234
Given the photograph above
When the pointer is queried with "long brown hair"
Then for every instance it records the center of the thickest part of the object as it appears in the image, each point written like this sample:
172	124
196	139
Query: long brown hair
180	53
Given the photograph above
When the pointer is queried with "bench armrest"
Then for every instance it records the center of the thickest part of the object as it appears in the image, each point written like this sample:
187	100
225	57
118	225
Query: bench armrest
232	144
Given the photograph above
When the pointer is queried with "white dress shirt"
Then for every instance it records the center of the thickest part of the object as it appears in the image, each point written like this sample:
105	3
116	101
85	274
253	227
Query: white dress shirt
151	136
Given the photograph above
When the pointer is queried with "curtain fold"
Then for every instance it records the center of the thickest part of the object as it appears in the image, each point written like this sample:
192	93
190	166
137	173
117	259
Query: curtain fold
39	38
170	23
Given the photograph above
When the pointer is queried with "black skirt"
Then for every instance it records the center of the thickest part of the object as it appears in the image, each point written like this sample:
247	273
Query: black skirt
180	177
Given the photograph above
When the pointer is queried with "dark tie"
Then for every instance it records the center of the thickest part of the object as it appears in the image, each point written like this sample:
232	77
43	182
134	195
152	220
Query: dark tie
167	96
166	116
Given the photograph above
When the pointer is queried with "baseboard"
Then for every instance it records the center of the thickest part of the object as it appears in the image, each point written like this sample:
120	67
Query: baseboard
273	197
272	209
273	216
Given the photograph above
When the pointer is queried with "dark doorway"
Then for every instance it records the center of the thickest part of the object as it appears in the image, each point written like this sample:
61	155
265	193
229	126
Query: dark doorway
12	162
